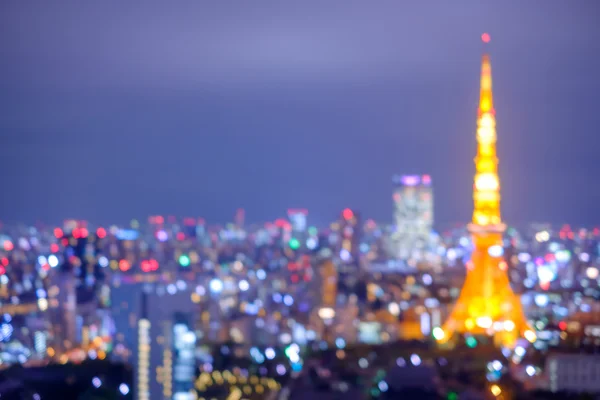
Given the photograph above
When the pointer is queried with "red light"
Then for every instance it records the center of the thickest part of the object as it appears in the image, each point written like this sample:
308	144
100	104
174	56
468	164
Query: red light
306	278
101	233
149	265
124	265
4	261
545	285
65	241
2	270
8	246
84	232
486	38
76	233
46	267
295	278
347	214
180	236
562	325
58	233
54	248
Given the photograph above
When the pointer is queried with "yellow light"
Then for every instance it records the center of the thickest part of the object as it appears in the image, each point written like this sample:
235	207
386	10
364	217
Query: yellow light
530	336
485	104
487	181
469	324
495	389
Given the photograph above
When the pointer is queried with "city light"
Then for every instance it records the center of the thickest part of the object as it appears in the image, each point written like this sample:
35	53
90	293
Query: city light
184	260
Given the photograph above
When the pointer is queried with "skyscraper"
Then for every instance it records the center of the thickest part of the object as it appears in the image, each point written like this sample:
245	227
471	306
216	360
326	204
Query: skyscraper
413	216
487	304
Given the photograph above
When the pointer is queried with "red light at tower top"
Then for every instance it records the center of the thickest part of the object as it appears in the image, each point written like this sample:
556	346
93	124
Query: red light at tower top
486	38
347	214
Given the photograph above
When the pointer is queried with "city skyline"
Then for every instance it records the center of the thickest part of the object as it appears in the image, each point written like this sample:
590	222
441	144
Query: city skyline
203	128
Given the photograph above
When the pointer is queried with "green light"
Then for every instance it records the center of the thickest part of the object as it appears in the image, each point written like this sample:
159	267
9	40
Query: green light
471	342
184	260
313	231
452	396
294	244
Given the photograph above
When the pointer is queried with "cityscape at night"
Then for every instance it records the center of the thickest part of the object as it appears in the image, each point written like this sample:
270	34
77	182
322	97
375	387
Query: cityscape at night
400	295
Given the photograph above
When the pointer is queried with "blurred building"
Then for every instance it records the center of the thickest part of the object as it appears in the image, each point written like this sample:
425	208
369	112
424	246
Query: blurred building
577	373
413	216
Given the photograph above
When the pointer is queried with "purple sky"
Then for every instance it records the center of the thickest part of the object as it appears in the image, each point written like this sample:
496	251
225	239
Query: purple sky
113	110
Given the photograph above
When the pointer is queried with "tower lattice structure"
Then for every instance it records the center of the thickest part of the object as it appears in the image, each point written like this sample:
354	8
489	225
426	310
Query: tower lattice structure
487	305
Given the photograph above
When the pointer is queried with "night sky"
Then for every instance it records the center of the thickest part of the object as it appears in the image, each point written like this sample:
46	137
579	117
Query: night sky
113	110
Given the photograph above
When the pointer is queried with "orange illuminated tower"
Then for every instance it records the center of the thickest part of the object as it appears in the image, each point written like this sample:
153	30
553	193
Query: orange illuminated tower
487	304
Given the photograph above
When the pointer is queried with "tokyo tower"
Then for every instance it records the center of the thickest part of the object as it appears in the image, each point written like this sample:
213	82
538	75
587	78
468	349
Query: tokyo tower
487	304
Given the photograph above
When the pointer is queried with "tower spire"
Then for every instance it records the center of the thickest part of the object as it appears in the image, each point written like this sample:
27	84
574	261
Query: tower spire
486	189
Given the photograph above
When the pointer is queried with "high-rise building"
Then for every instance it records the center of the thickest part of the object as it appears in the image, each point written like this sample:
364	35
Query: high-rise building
183	359
145	317
350	234
487	304
297	217
413	216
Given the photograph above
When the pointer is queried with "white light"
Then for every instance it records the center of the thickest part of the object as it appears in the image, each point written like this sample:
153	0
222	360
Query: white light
43	304
269	353
509	325
584	257
563	256
524	257
363	363
415	360
545	274
288	300
530	370
451	254
261	274
53	261
103	261
42	260
243	285
124	389
171	289
345	255
496	365
326	313
592	272
96	382
495	250
484	322
216	285
400	362
520	351
340	343
541	300
394	309
427	279
311	243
